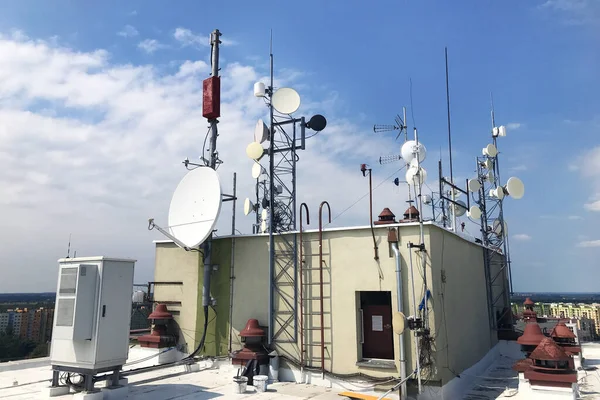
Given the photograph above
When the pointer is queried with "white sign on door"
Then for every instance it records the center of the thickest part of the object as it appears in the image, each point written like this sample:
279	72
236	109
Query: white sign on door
377	323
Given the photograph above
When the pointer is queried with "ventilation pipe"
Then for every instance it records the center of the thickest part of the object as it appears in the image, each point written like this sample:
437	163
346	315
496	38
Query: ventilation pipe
393	240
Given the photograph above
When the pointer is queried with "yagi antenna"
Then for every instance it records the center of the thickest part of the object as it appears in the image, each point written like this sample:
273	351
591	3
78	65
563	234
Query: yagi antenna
69	246
399	125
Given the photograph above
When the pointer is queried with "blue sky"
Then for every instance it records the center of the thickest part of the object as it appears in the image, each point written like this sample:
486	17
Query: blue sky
354	61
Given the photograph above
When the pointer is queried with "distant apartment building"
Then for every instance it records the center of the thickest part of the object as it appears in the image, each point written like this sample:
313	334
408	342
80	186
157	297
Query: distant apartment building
4	321
34	325
578	311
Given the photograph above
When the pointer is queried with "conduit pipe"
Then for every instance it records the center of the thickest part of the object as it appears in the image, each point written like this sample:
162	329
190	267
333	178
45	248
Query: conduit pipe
393	239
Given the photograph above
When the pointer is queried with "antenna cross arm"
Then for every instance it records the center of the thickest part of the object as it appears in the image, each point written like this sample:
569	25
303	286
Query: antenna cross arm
152	225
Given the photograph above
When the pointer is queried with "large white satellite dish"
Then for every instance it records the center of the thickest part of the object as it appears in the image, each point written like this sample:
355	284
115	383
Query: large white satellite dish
195	206
286	100
409	148
515	188
261	132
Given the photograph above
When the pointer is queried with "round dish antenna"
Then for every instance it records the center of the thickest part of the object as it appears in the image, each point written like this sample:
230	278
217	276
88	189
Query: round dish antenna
474	212
398	323
257	170
515	188
502	131
460	209
255	151
490	176
497	227
411	149
317	123
416	176
427	199
286	100
497	193
261	132
490	151
195	206
489	164
248	206
474	185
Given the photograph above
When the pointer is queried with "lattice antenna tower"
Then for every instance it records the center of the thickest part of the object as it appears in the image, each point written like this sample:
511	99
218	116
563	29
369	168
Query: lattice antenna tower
490	195
276	197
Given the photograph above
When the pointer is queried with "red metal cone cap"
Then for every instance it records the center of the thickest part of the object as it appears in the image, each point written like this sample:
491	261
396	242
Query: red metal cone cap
252	329
532	335
161	312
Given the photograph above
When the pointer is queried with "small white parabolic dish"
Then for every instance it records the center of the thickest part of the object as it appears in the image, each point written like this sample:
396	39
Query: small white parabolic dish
490	150
261	132
474	212
409	149
248	206
416	176
474	185
195	206
256	170
515	188
255	151
286	100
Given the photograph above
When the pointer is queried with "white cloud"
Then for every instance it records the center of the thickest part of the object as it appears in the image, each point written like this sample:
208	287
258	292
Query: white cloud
104	154
522	237
589	243
188	38
518	168
150	45
593	206
573	12
128	31
513	125
574	217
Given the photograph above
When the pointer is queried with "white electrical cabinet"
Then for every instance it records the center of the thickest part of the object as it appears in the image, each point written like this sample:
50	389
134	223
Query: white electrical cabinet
92	314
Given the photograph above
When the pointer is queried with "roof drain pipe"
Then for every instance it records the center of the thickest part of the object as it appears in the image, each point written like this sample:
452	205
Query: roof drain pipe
393	240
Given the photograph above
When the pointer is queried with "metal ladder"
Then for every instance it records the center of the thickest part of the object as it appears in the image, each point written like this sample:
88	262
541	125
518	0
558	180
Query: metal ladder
315	300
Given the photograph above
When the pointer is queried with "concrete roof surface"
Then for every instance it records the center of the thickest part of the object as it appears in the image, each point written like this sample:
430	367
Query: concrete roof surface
497	380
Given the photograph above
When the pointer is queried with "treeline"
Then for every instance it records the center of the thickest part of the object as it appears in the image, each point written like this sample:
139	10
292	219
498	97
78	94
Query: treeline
12	347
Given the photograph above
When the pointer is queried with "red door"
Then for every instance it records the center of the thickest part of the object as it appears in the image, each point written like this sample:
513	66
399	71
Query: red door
378	339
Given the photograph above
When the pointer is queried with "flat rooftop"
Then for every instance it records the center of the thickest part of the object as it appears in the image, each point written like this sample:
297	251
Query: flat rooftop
496	380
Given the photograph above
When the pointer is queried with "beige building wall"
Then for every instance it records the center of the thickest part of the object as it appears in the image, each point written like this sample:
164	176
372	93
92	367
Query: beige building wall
459	302
173	264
